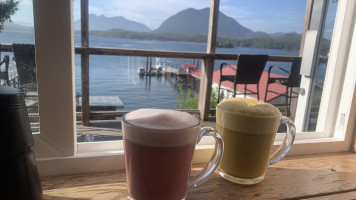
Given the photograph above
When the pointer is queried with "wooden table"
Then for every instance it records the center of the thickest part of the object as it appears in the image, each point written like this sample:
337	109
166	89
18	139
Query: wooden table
323	176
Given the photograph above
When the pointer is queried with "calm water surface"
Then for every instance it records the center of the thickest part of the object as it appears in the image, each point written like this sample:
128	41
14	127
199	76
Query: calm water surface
117	76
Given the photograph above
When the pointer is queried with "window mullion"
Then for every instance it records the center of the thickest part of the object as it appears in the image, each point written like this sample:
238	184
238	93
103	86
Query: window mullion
55	76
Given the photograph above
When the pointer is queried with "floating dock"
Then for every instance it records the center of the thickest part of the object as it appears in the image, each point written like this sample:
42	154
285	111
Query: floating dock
103	103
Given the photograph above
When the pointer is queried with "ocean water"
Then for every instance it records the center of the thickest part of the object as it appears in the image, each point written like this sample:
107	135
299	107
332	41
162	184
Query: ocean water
117	75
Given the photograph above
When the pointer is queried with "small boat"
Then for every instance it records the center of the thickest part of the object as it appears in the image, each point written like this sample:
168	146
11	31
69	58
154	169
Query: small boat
151	71
159	64
160	72
141	71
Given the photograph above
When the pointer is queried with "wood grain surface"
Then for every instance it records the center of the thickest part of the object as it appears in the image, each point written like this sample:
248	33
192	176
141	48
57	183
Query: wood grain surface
323	176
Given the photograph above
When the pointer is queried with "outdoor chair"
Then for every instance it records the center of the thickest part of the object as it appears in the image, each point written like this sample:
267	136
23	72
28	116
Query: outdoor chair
25	62
249	69
291	81
4	74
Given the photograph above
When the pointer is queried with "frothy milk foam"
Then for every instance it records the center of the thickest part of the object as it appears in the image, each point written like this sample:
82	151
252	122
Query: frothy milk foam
253	116
160	127
249	107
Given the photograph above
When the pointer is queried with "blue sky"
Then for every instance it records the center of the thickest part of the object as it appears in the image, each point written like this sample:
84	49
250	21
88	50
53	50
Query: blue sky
259	15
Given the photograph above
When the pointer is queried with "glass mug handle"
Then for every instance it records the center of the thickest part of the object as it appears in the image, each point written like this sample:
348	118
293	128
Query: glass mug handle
200	177
287	142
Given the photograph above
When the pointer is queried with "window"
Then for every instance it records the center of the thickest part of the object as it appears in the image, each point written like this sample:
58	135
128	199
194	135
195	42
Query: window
17	39
56	145
116	83
319	34
253	29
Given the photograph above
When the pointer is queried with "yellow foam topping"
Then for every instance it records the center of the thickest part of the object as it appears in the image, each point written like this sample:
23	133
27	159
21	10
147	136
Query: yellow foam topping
250	107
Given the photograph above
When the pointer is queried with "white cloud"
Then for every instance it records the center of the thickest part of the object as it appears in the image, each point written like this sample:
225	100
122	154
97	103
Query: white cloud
96	11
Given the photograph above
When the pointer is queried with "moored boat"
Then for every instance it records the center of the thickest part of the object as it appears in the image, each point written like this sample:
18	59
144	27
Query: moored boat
141	71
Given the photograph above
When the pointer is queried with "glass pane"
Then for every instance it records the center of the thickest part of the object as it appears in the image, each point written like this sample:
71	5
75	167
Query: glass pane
261	27
115	83
122	83
320	71
271	28
17	42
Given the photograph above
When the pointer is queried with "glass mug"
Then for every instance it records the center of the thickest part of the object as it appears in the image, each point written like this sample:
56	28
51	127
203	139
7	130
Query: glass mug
248	138
158	147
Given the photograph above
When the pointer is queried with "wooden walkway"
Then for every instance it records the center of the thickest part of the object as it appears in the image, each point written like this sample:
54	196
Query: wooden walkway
103	102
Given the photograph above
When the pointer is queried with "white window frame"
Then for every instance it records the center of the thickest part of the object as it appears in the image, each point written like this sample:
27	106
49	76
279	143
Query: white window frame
57	151
334	134
55	77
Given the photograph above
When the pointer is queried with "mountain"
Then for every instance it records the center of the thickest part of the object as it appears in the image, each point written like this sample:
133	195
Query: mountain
196	22
276	34
107	23
16	27
328	29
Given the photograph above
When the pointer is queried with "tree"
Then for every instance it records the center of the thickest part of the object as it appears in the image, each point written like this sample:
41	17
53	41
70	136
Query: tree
7	8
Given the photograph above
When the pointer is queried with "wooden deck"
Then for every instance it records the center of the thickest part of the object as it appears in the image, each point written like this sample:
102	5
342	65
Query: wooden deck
106	130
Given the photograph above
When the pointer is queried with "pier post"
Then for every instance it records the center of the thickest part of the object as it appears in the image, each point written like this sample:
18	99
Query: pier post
208	64
205	87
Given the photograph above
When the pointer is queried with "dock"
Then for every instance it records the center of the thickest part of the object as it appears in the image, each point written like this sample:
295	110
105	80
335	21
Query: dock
183	75
103	102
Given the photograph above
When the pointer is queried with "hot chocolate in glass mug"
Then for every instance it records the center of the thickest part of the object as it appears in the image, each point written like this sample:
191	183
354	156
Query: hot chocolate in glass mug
158	147
248	128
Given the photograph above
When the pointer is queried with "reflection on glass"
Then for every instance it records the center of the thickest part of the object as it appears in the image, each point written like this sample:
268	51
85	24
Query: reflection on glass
256	25
253	29
320	71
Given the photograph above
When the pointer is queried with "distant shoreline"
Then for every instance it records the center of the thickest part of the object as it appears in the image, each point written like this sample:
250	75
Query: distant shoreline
286	42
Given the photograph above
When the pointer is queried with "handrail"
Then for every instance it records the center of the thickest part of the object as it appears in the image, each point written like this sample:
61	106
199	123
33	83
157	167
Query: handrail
5	47
98	114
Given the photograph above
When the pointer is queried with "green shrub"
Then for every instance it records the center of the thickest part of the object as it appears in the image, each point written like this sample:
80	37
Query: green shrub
191	102
188	102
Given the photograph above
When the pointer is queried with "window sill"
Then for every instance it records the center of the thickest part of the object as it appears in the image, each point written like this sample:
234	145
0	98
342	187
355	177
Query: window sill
320	175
